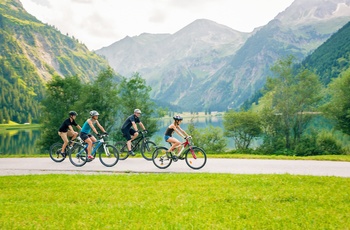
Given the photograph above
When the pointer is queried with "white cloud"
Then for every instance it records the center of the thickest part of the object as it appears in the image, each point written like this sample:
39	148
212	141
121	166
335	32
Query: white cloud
99	23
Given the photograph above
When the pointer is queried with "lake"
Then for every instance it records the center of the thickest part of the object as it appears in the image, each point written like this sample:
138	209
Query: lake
22	141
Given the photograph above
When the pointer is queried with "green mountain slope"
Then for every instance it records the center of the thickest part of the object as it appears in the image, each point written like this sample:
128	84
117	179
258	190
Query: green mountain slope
30	54
331	58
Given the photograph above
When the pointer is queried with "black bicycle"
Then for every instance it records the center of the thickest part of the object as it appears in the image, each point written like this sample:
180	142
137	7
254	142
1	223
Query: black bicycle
140	143
56	149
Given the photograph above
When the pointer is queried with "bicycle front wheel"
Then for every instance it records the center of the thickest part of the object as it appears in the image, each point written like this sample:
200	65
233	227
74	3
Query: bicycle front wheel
109	155
123	150
195	158
55	152
161	159
147	149
78	155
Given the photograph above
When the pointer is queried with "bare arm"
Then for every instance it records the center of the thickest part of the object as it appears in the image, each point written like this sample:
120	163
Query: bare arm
182	131
92	126
100	127
142	126
71	128
134	126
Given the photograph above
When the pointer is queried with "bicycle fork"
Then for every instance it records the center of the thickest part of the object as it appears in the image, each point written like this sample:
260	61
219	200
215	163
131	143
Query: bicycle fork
193	153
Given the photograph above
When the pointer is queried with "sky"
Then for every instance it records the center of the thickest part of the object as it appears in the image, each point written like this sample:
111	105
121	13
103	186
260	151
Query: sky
99	23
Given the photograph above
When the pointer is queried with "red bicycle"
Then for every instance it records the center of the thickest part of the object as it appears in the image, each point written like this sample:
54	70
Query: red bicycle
195	157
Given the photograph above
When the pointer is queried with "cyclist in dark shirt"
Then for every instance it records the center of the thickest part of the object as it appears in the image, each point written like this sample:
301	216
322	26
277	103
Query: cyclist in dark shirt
129	128
66	130
175	127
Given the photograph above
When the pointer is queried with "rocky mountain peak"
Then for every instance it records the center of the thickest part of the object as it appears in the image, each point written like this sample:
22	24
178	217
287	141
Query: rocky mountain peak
309	11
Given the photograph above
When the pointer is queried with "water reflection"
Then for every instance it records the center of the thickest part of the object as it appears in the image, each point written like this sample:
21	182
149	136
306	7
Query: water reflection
19	141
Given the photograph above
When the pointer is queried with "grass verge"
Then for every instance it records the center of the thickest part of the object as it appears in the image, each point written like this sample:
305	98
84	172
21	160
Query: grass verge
223	155
174	201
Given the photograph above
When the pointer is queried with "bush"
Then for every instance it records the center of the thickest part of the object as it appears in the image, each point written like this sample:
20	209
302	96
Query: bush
211	138
327	143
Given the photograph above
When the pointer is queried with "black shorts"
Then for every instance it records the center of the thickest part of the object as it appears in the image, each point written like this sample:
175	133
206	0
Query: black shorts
84	136
128	133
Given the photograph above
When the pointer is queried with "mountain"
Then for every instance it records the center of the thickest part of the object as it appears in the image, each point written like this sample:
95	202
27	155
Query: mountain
30	54
171	62
210	66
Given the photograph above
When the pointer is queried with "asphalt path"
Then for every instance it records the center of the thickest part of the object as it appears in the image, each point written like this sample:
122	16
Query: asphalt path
25	166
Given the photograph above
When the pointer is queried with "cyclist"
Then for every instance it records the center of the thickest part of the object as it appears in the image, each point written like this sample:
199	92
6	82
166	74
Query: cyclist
86	129
66	130
175	127
129	129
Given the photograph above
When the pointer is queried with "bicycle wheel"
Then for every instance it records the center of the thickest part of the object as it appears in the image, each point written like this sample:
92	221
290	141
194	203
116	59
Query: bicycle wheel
78	155
160	158
123	150
147	149
109	157
55	152
195	158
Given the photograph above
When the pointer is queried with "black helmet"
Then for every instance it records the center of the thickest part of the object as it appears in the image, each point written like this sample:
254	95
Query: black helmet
73	113
178	118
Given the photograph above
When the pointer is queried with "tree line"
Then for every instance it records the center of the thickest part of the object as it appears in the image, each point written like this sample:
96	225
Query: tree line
286	118
296	114
113	100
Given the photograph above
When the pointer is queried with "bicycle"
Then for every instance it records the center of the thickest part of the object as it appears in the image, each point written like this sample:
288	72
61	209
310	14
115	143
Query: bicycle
195	157
146	146
108	154
56	149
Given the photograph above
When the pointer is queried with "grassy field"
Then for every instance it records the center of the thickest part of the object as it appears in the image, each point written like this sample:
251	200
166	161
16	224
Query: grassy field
174	201
15	126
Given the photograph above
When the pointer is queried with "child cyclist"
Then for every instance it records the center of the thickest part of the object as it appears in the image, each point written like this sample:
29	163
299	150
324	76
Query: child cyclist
86	129
175	127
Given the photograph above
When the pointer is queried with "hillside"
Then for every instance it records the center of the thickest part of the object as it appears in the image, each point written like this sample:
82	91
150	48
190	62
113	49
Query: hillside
332	57
30	54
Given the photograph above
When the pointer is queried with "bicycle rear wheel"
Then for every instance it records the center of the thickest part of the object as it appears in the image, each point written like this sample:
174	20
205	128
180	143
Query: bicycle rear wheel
123	150
160	158
55	152
78	155
195	158
109	157
147	149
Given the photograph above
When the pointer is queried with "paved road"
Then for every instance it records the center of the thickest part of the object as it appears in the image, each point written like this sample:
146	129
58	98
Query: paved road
23	166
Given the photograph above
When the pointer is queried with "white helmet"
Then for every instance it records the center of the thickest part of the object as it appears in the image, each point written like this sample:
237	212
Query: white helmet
94	113
137	111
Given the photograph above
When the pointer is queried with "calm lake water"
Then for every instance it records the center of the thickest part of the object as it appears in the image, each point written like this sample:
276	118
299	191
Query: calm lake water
23	141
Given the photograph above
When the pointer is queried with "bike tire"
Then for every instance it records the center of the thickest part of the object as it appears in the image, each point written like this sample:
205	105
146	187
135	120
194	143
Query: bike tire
109	158
160	158
147	150
55	152
195	158
78	155
122	149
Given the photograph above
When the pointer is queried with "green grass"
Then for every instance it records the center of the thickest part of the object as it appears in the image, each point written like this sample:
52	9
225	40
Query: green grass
174	201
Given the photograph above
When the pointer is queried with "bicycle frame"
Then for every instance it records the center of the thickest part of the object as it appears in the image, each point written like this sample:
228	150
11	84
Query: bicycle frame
139	139
184	145
95	147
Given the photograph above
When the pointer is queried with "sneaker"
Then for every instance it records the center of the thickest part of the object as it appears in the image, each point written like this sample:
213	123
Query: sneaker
131	153
91	157
70	146
63	154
